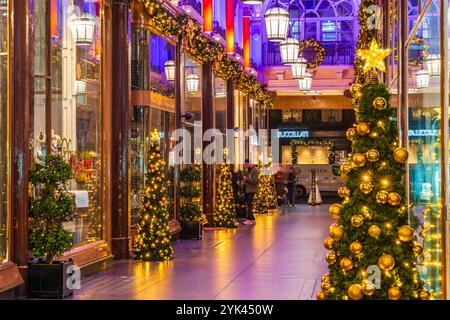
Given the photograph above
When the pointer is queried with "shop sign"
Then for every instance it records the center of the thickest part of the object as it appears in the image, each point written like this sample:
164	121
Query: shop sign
423	133
291	134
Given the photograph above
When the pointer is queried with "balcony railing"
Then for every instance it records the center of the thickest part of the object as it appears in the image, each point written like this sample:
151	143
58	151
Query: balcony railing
218	29
194	4
337	53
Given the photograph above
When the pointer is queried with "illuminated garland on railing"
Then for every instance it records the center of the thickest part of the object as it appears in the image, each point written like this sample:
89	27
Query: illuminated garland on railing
205	50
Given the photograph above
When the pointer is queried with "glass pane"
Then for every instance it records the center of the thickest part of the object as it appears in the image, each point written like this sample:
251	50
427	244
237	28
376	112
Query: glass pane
3	130
424	146
220	104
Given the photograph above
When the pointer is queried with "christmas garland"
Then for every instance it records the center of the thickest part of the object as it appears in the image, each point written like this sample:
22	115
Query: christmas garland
308	142
205	50
318	49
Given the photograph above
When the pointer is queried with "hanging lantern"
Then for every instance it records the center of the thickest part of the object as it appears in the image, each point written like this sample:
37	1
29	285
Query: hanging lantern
252	2
192	82
422	79
277	20
299	68
433	63
305	84
83	28
80	86
169	70
289	49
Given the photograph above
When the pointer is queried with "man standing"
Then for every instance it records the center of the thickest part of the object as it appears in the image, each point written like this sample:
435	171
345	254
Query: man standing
292	180
251	177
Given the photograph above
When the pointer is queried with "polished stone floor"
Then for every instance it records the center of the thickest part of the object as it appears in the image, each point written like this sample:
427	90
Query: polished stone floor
281	257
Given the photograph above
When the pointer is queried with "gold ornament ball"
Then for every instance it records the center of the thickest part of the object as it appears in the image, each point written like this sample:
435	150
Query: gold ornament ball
405	233
394	293
325	278
355	292
369	288
331	257
386	262
372	155
346	168
394	199
363	129
400	155
374	231
357	220
326	285
350	134
320	295
366	187
417	249
382	196
379	103
344	192
335	211
425	295
359	159
336	232
346	264
328	243
356	247
356	91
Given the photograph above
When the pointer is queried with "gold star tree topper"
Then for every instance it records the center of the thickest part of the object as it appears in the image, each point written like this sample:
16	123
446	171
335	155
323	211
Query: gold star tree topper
373	57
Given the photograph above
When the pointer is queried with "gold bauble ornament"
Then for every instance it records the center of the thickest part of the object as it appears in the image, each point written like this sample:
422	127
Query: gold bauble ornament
357	220
425	295
405	233
328	243
386	262
344	192
400	155
359	159
382	196
356	247
346	168
363	129
356	91
394	199
326	285
379	103
320	295
355	292
331	257
369	288
336	232
350	134
417	249
335	211
394	293
366	187
374	231
346	264
415	294
372	155
325	278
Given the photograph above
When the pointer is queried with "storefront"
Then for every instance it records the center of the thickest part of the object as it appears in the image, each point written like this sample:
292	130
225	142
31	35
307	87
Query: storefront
420	87
97	91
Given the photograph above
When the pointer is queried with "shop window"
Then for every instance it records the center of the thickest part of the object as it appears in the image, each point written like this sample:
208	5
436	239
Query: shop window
331	116
73	83
4	20
220	104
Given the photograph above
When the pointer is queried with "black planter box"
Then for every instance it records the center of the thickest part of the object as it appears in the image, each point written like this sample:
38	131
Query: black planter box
191	230
49	281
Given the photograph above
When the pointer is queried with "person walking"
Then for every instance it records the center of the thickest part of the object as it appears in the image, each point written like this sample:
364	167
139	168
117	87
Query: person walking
292	180
251	177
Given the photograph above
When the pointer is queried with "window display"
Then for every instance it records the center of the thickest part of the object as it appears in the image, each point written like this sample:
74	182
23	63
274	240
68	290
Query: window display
71	88
3	130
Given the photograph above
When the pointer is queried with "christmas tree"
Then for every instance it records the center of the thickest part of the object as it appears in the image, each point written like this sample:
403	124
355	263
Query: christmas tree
266	197
153	235
225	212
373	250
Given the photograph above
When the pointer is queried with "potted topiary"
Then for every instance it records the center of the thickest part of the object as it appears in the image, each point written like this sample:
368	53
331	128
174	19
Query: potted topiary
191	215
48	240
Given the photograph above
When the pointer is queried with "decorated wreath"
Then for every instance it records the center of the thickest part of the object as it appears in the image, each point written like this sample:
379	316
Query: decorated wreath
318	49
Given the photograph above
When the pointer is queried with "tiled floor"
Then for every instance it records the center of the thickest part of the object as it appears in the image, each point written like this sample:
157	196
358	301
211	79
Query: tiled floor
281	257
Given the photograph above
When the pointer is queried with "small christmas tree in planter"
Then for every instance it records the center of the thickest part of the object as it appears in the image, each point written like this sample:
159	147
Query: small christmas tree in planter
225	212
153	235
48	239
265	201
191	214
